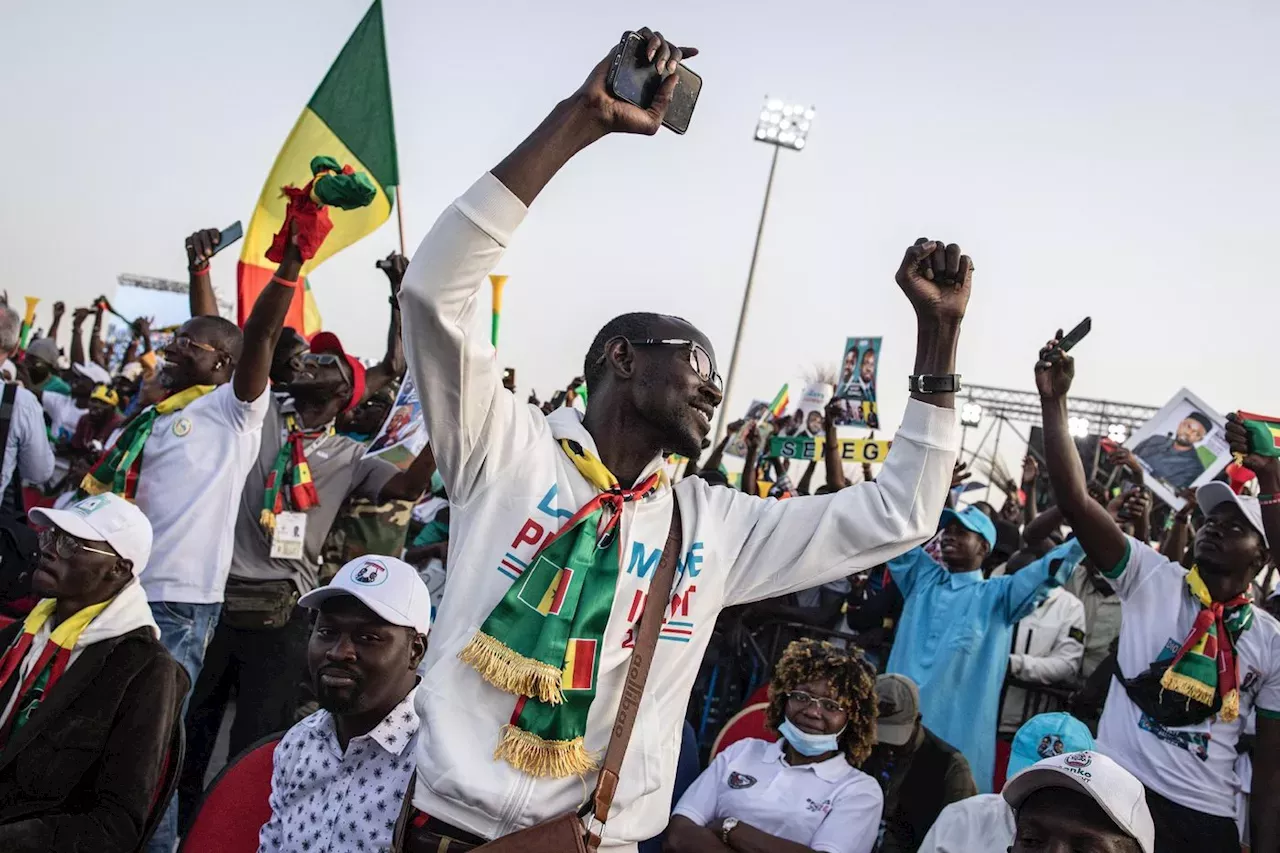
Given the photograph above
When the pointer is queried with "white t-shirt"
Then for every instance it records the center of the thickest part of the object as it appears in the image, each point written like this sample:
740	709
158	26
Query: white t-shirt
829	806
193	471
64	414
980	824
1193	766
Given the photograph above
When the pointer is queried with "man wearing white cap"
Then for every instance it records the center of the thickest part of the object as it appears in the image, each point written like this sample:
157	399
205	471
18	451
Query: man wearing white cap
1196	659
1080	801
341	774
88	695
65	411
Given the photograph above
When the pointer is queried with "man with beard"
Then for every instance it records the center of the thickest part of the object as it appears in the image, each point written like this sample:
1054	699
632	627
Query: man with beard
1175	460
304	473
541	680
957	627
341	774
183	461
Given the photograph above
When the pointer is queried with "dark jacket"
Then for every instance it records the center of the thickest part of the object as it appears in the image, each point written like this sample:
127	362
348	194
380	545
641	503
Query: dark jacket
916	790
83	773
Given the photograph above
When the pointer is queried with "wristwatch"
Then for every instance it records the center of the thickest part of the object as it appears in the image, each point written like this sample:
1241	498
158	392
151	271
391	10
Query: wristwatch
726	827
947	383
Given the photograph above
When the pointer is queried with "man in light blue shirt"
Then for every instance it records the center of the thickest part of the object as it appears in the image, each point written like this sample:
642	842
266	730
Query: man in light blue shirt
956	628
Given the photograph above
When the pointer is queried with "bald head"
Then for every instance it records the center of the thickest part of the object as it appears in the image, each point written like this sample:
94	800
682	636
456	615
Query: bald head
639	326
218	332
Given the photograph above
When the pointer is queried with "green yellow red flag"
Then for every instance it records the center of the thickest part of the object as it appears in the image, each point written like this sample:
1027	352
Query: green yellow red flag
348	118
1264	434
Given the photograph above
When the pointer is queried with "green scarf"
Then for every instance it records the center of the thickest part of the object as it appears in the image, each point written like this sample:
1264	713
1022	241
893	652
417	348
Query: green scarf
543	640
118	469
1205	666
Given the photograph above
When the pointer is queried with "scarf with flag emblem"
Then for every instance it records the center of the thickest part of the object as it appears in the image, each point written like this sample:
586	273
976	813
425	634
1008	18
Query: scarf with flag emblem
48	667
542	642
289	485
1205	666
117	471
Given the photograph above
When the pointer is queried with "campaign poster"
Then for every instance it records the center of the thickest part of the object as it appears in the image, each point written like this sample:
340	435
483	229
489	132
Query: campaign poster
1183	446
404	433
757	412
808	418
856	385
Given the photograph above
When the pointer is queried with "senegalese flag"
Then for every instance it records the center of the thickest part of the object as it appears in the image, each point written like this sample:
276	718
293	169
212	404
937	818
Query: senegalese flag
544	589
349	119
1264	434
779	404
579	665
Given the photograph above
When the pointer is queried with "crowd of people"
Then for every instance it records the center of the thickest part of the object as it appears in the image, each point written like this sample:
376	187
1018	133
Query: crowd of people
196	539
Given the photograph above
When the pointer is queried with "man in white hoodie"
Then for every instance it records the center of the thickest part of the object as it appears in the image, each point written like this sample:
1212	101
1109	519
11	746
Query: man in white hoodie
516	477
89	696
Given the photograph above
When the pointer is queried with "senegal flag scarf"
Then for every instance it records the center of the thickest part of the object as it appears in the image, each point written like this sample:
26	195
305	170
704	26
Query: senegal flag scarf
543	640
1205	666
48	667
291	469
117	471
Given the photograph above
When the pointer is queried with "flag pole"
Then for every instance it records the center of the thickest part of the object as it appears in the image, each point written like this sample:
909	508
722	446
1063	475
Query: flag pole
400	215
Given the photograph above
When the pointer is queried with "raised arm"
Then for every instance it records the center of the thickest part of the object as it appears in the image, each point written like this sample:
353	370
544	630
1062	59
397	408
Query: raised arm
1098	533
477	426
410	483
262	328
200	248
1030	475
1267	470
831	448
392	365
77	335
97	353
717	456
751	464
806	479
59	308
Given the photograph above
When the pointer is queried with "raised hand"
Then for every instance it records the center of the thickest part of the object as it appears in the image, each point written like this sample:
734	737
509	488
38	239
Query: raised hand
394	265
200	248
1030	471
959	474
937	279
1266	467
79	315
59	308
1055	370
614	116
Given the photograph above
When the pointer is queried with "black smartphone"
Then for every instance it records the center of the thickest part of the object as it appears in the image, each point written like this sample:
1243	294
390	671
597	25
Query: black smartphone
634	79
1076	335
229	235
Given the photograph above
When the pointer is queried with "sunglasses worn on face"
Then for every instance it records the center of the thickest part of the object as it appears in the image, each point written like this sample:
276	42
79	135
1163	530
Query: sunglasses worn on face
699	358
64	545
182	342
324	359
804	700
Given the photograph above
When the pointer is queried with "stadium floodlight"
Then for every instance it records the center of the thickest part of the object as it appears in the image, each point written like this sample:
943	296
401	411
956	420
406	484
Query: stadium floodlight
1117	433
1078	427
971	414
785	125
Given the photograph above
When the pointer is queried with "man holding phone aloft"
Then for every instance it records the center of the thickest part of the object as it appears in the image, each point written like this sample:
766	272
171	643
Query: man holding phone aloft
514	478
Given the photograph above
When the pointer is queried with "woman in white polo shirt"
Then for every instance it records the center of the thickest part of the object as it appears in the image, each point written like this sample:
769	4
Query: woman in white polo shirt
805	791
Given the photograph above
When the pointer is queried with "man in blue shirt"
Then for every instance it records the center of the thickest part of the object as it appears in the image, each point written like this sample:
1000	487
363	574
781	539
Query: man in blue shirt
956	629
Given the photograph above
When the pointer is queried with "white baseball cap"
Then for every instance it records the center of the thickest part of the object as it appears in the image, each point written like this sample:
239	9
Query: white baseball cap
1211	495
1108	784
389	587
104	518
96	372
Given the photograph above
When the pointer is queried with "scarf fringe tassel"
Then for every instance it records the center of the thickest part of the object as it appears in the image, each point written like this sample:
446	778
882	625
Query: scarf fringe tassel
93	486
531	754
267	519
514	673
1190	687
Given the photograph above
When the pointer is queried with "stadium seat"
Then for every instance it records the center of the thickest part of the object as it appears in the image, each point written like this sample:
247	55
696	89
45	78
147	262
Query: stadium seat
236	804
749	722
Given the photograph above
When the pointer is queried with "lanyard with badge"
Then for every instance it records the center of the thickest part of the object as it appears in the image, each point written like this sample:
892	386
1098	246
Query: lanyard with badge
289	485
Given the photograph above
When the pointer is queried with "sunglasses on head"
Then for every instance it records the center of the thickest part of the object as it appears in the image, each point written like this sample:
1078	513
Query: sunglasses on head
699	358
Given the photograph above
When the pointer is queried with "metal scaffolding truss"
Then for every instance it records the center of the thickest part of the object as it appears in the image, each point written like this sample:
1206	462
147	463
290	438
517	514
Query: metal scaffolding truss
1024	406
146	282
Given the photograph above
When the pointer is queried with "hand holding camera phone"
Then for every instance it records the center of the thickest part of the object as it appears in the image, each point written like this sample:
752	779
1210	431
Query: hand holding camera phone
636	77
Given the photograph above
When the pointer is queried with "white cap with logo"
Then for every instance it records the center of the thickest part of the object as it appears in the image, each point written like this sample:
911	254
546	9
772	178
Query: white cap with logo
389	587
104	518
1211	495
1095	775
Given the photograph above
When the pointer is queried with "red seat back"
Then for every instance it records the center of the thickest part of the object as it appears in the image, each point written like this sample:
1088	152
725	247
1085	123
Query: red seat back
236	805
749	722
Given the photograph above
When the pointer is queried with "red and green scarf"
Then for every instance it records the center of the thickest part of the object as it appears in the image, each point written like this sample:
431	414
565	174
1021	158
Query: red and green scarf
543	641
289	486
117	471
1205	667
49	666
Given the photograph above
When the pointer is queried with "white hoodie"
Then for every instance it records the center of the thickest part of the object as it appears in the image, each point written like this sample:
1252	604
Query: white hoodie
127	612
510	486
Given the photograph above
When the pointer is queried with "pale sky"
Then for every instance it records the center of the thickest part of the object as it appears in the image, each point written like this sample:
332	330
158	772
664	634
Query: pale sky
1102	158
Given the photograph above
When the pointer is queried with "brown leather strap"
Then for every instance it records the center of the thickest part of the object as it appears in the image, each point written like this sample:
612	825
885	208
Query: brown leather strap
641	658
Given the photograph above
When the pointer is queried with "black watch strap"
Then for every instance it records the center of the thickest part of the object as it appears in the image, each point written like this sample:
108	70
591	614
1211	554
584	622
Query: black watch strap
947	383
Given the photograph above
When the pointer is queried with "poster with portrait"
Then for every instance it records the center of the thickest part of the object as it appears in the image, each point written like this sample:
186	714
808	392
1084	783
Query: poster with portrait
404	432
807	419
758	413
856	384
1183	446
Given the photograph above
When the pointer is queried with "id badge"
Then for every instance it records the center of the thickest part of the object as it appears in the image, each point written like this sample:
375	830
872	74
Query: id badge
289	536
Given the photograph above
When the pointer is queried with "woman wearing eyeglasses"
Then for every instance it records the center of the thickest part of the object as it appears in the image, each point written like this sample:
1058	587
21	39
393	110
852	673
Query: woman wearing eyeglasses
803	792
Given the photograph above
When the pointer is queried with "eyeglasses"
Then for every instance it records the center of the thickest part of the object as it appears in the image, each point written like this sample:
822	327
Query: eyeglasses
699	358
804	700
182	342
64	545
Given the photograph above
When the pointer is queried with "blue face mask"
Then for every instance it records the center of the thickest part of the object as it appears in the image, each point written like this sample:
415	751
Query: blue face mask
806	744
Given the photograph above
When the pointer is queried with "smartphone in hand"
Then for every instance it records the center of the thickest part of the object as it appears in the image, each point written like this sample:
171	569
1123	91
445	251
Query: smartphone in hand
635	79
229	235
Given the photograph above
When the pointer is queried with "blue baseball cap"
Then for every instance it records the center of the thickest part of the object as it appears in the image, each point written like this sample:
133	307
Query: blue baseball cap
973	519
1045	736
